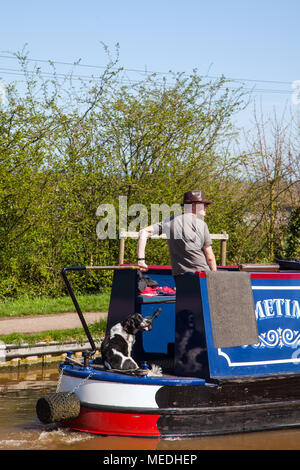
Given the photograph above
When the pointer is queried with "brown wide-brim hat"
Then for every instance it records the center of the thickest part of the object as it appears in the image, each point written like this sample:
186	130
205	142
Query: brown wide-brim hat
195	196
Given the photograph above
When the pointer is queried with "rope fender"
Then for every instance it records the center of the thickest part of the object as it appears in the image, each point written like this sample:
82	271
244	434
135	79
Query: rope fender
57	407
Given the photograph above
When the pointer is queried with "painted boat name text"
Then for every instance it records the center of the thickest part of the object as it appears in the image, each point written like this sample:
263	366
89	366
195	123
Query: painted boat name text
276	308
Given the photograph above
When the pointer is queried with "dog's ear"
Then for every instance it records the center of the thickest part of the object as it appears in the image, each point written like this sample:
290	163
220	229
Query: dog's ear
133	315
130	322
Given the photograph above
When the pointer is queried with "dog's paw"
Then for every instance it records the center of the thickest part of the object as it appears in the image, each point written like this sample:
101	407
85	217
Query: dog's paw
155	371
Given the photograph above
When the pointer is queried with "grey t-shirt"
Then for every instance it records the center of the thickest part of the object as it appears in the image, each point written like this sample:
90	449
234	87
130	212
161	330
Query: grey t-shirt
186	235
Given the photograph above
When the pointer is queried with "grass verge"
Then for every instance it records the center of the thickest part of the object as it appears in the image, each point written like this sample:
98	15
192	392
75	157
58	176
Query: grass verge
46	305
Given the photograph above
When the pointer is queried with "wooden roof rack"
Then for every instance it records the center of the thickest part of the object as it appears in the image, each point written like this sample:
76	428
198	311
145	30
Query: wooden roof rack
222	237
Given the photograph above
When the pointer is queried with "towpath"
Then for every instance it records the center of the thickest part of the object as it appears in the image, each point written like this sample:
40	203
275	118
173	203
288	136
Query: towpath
40	323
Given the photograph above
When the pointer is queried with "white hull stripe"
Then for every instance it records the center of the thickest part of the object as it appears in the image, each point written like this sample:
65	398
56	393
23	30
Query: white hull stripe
276	287
103	393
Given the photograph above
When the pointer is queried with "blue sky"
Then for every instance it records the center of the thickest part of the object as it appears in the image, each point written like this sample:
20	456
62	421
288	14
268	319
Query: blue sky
249	39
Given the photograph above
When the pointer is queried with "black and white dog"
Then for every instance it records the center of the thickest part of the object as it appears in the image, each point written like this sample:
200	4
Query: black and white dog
117	345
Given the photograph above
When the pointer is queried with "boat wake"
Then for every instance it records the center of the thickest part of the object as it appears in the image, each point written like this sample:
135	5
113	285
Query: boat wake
50	439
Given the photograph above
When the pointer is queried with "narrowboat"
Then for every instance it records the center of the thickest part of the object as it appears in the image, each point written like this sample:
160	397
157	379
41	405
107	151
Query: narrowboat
227	342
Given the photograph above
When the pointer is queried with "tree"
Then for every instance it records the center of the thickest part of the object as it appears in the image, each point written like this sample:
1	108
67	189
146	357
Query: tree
166	137
292	241
45	134
271	167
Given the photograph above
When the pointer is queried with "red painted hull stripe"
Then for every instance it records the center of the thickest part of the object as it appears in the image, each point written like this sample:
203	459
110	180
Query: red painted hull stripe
118	424
275	276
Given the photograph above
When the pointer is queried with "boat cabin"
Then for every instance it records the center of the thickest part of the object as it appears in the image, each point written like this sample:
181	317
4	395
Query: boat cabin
240	321
237	322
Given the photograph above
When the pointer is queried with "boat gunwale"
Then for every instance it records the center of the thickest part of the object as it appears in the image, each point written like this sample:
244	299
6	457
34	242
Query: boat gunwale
114	377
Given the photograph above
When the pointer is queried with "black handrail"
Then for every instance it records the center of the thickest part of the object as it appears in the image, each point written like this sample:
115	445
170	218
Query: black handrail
73	297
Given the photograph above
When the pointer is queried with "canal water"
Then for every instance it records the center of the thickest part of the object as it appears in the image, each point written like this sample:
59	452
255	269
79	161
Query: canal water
20	429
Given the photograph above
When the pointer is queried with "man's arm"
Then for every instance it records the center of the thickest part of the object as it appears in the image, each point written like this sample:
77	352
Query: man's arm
141	246
210	257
